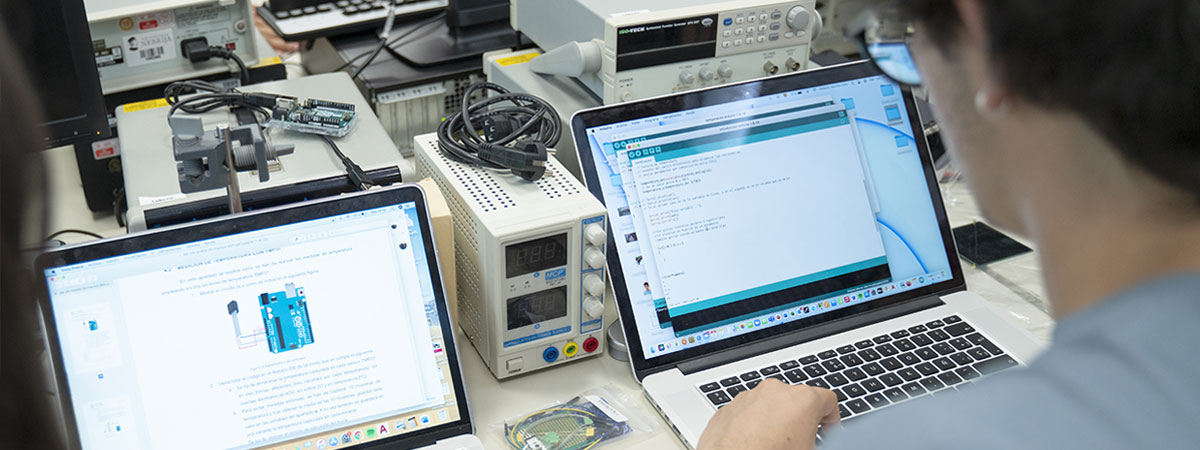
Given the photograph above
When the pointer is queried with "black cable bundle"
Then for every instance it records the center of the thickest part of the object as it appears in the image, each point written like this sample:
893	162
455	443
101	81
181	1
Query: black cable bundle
508	131
211	96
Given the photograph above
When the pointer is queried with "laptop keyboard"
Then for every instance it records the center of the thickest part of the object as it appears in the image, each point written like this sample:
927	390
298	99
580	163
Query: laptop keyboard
935	358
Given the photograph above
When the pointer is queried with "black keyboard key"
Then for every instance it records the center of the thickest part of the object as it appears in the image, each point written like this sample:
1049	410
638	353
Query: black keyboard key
926	354
281	14
876	400
310	9
967	373
752	384
795	376
855	374
913	389
836	380
709	387
962	358
985	343
869	355
814	370
995	364
959	329
960	343
843	411
943	348
840	396
808	360
324	7
926	369
789	365
891	364
951	319
899	334
777	377
944	363
896	395
921	340
917	329
735	390
882	339
845	349
769	370
908	373
979	353
938	335
858	406
931	384
873	385
851	360
854	390
718	398
949	378
750	376
887	350
827	354
730	381
873	369
833	365
904	345
935	324
864	344
909	359
349	10
343	3
817	382
948	390
891	379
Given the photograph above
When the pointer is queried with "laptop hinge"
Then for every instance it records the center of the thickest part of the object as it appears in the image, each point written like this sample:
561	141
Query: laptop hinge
753	349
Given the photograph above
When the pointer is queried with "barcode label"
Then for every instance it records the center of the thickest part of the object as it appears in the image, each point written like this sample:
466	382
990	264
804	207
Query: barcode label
152	53
150	47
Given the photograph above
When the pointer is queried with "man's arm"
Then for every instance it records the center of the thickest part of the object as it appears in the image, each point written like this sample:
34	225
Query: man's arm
772	416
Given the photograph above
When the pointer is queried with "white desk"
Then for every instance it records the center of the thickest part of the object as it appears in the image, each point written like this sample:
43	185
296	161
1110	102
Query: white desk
1013	286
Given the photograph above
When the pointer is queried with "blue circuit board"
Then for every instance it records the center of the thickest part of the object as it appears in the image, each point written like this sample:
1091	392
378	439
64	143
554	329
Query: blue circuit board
285	317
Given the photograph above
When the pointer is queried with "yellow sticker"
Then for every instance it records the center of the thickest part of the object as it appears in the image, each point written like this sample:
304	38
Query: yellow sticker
519	59
269	61
148	104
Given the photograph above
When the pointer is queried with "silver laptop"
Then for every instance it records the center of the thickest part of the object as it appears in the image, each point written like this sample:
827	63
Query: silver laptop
321	325
787	228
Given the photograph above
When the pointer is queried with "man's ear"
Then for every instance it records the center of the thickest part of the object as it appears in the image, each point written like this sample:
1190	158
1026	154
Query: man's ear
994	97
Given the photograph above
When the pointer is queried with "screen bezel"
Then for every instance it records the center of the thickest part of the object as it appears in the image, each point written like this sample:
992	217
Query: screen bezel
259	220
606	115
92	124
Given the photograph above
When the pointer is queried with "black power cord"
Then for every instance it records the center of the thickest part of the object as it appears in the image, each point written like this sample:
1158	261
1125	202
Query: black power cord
357	176
384	42
508	131
197	50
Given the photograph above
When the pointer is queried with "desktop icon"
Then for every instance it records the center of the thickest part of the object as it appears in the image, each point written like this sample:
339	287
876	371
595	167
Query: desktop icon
320	444
771	319
442	415
399	426
333	441
806	310
346	437
660	347
691	339
383	430
370	433
412	422
757	322
425	420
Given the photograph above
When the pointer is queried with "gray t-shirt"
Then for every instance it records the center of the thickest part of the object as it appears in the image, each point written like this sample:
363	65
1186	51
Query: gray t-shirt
1123	374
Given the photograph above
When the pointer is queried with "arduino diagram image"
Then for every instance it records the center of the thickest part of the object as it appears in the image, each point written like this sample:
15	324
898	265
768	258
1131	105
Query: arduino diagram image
286	324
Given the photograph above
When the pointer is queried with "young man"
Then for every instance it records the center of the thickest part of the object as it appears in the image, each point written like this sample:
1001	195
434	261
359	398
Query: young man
1078	126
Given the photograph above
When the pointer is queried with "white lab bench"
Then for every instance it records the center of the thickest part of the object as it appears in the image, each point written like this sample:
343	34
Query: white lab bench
1013	286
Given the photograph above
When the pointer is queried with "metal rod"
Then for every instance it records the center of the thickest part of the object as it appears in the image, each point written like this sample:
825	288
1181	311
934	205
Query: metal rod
235	194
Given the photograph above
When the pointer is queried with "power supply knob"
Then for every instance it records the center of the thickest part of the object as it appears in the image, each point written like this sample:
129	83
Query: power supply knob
593	307
798	18
725	71
594	257
707	74
594	234
686	78
593	284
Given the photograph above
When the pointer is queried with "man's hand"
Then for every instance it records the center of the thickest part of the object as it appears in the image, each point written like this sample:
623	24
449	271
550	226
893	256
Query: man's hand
772	416
281	46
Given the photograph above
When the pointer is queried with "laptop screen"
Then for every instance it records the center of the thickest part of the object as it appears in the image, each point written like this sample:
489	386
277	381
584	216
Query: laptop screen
764	210
311	335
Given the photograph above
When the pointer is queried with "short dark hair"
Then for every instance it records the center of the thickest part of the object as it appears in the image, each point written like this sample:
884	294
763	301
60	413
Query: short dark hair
1130	69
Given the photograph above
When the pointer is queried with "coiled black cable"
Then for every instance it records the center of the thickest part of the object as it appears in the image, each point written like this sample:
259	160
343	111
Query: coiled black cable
507	131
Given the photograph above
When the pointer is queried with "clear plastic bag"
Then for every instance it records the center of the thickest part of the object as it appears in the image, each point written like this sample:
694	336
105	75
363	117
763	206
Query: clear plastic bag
593	418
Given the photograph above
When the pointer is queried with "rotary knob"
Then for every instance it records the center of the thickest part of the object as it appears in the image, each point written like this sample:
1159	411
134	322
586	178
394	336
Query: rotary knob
593	307
594	234
686	78
798	18
707	74
594	285
725	71
594	257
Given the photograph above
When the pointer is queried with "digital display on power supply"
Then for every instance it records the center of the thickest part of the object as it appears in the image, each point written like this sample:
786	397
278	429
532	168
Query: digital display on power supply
536	255
537	307
671	41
